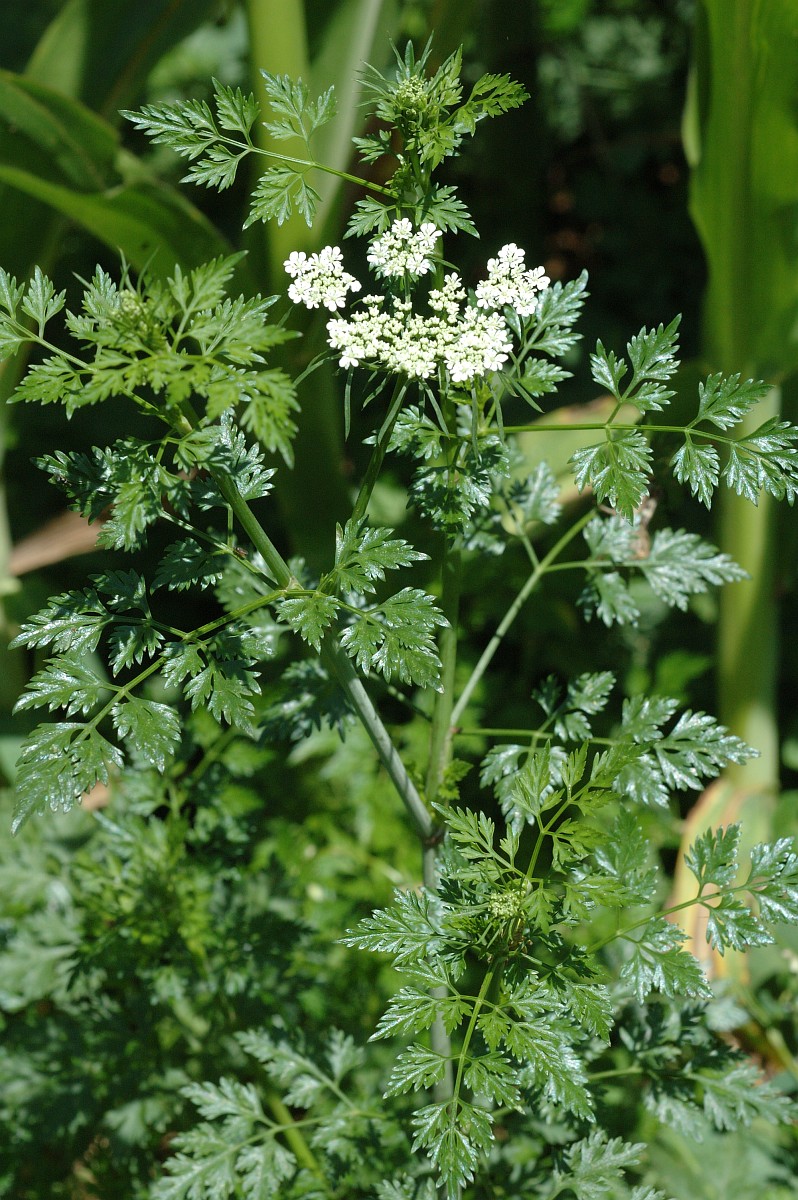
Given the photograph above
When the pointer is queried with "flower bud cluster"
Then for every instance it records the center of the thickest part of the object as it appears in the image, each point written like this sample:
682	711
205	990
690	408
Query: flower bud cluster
466	340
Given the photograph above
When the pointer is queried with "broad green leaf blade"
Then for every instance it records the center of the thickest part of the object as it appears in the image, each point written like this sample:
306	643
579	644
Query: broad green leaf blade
744	185
100	53
47	133
55	151
151	225
357	31
741	136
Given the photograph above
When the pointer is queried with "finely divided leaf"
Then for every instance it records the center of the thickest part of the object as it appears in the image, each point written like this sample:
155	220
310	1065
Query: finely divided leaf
310	616
532	789
235	111
558	310
291	100
407	930
698	464
202	1169
607	595
130	643
740	1096
363	555
679	565
540	378
590	692
713	857
152	730
73	621
490	96
773	879
617	470
225	690
414	1008
652	353
537	496
696	749
607	370
724	401
66	683
416	1068
625	858
494	1076
658	962
551	1064
594	1167
397	639
453	1134
186	564
766	459
41	300
279	192
643	717
58	763
228	1098
11	293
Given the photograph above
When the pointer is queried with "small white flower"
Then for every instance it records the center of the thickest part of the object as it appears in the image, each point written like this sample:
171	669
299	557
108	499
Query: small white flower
319	280
510	284
467	342
295	263
401	251
481	344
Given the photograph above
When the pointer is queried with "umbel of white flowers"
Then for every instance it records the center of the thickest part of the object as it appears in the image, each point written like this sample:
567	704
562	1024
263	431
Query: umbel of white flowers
468	338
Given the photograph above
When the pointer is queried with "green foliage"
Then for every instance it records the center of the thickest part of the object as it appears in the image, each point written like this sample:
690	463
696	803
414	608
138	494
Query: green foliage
237	1148
538	975
619	469
543	991
171	341
675	564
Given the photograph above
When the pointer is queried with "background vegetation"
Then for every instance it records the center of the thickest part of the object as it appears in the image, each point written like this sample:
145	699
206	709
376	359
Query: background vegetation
134	944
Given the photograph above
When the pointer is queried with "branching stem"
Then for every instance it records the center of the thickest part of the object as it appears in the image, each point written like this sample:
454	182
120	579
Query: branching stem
513	611
339	663
292	1134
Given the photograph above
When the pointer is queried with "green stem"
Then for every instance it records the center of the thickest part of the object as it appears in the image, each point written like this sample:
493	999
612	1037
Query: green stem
378	454
338	662
302	1151
440	746
277	567
668	912
439	1040
310	163
748	654
616	1073
341	666
454	1093
512	613
440	743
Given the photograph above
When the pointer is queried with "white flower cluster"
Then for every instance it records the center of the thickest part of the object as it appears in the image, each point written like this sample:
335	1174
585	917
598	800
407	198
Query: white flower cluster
320	279
467	340
509	283
468	343
403	250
